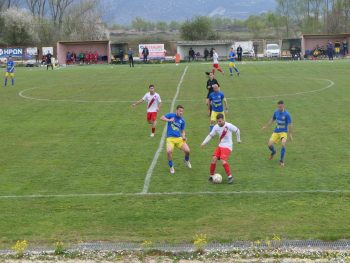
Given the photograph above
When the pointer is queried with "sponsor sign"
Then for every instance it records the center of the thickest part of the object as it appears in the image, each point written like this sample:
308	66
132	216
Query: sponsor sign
156	51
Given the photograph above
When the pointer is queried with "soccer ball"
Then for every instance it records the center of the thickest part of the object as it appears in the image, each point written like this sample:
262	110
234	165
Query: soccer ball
217	179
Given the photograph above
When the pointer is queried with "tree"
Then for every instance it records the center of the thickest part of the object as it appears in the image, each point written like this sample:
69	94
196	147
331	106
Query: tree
200	28
58	9
18	27
37	7
162	26
255	25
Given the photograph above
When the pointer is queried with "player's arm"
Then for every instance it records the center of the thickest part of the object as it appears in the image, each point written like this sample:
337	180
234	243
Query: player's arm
226	105
164	118
290	131
268	124
236	130
208	138
137	103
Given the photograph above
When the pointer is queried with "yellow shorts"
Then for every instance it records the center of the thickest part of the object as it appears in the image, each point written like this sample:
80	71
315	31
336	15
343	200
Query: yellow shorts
172	142
231	65
278	136
214	114
12	75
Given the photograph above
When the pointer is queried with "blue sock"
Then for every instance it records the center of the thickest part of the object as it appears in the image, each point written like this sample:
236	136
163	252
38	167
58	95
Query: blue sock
211	128
170	163
236	70
187	158
13	81
6	82
231	70
272	149
283	151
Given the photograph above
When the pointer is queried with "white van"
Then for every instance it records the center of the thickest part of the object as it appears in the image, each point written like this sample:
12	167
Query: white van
272	50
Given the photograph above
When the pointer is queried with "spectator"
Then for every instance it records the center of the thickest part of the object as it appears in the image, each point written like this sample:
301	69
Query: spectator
91	57
121	56
86	57
81	57
345	47
95	57
211	53
74	57
239	53
191	55
131	57
206	54
145	53
68	58
330	50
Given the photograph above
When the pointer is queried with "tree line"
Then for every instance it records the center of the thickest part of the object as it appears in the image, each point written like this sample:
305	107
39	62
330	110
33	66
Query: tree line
42	22
290	19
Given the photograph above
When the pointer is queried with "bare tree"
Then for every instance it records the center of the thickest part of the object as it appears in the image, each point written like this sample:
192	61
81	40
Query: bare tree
37	7
6	4
58	9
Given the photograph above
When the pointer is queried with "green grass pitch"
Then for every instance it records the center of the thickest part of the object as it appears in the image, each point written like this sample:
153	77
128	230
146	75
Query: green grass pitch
78	135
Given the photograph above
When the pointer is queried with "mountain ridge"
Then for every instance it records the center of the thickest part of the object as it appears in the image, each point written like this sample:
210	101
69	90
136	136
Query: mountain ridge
123	12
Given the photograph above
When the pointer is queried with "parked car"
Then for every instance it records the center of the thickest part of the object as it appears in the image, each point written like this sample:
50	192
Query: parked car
272	50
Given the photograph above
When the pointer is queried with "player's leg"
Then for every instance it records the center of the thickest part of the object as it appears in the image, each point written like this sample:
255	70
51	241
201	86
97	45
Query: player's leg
169	152
6	77
154	123
186	149
213	166
271	145
224	155
220	69
12	79
283	150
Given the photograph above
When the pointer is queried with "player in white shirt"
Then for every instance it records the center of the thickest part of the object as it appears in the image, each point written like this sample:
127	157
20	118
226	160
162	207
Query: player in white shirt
216	65
153	106
223	151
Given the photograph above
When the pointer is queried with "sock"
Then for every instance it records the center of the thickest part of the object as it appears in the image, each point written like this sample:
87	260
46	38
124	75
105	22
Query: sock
153	130
227	169
236	70
272	149
283	151
6	82
187	158
211	127
170	163
13	81
231	71
212	168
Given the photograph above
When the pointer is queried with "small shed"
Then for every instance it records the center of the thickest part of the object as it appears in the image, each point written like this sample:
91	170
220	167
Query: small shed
222	47
101	46
311	41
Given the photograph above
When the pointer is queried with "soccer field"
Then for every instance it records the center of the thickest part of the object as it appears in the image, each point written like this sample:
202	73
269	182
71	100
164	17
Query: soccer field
76	159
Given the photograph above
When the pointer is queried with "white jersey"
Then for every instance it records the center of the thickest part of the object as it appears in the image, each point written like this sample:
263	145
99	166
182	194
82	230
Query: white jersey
215	58
153	101
225	134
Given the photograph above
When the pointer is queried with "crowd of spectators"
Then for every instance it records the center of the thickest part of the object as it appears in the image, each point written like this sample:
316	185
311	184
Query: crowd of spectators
330	50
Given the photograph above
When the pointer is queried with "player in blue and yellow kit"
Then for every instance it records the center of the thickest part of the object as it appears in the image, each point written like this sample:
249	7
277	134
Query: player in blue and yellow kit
10	71
232	65
176	136
282	131
217	100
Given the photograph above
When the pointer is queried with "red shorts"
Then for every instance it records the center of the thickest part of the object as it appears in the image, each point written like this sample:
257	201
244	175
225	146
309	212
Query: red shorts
151	116
216	65
222	153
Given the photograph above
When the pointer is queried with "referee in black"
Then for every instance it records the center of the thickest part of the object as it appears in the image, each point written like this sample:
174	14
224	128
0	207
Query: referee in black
210	83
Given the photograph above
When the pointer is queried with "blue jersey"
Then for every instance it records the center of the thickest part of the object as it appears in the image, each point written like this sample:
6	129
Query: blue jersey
282	119
10	66
217	101
175	127
232	56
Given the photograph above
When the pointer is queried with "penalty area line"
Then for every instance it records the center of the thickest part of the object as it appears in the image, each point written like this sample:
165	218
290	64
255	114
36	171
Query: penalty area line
204	193
162	139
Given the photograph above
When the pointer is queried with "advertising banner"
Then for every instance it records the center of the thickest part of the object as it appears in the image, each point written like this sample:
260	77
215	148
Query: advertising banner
156	51
14	52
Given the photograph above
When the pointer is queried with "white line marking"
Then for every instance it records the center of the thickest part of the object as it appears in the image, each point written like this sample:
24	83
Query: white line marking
258	192
162	139
21	94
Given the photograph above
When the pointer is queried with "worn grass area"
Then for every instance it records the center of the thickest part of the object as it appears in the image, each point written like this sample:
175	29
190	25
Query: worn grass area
72	143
